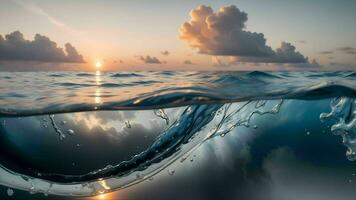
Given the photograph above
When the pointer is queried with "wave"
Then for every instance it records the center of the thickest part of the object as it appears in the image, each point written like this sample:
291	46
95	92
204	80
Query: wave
195	125
156	90
125	75
213	104
343	113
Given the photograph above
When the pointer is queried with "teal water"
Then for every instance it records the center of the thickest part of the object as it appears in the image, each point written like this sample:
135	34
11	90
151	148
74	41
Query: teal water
134	125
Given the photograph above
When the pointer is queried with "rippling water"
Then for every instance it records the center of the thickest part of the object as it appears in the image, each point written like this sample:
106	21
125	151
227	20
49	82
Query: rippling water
139	123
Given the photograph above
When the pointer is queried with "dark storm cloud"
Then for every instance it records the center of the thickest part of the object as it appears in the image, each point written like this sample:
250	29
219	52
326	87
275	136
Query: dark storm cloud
165	53
150	60
223	33
188	62
14	47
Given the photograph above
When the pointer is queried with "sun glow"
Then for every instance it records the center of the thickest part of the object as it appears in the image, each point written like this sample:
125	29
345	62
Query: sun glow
98	64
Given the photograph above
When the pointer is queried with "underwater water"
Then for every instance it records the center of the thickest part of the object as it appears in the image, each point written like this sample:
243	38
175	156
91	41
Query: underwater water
275	135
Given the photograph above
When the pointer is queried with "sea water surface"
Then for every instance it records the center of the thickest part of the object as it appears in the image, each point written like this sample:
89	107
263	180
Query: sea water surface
139	123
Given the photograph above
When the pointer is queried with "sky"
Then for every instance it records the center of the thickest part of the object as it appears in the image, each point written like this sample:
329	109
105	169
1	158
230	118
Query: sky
163	35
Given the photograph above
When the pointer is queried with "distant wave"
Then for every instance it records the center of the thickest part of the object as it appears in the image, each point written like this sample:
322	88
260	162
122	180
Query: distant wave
126	75
154	90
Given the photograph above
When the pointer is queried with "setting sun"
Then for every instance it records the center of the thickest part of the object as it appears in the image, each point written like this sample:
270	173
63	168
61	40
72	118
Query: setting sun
98	64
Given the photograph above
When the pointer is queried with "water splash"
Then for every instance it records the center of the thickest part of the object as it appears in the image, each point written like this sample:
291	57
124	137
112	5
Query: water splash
213	104
162	114
343	113
178	141
56	128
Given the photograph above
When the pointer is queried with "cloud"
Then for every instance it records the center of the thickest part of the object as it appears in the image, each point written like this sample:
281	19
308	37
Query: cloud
223	33
284	54
150	60
165	53
340	65
119	61
217	62
348	50
15	48
188	62
326	52
37	10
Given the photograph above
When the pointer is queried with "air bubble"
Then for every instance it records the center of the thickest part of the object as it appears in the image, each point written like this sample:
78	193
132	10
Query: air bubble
10	192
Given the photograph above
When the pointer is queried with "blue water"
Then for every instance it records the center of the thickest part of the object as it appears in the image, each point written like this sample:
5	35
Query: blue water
150	121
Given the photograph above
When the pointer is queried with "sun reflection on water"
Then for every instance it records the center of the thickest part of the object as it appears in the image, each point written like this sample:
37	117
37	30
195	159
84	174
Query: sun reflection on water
105	196
98	92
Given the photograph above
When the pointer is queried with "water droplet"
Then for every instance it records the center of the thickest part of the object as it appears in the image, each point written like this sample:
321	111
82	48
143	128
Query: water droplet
151	178
70	132
127	124
255	126
63	122
189	110
10	192
171	172
32	189
308	133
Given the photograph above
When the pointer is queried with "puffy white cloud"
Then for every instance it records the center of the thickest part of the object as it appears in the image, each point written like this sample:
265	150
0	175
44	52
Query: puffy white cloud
14	47
150	60
223	33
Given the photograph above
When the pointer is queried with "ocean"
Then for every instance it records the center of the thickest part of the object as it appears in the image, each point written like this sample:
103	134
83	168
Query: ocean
83	134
